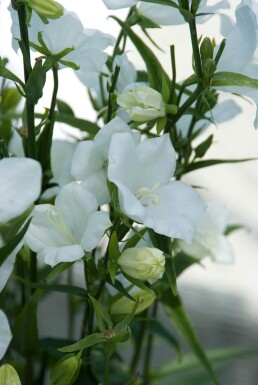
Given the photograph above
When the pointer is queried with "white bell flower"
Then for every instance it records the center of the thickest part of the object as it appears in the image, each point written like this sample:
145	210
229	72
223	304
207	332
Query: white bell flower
209	239
90	160
166	15
20	186
5	334
62	233
241	53
67	32
142	172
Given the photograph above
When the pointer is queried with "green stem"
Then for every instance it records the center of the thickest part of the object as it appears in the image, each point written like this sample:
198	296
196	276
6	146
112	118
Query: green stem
31	142
147	361
139	344
196	51
106	369
45	139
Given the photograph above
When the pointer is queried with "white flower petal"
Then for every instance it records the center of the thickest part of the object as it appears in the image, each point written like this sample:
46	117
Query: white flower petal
148	164
241	42
76	204
54	255
177	212
5	334
118	4
20	186
7	267
87	159
98	223
97	185
47	229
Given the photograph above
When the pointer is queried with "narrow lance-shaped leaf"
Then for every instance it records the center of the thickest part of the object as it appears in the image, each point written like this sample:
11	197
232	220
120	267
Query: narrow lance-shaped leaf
177	314
190	362
102	318
36	82
233	79
154	67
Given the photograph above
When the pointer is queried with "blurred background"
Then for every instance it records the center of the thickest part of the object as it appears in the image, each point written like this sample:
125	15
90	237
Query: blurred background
221	299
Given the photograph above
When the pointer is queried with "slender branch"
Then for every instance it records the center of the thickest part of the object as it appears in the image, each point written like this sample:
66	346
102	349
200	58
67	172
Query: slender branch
31	142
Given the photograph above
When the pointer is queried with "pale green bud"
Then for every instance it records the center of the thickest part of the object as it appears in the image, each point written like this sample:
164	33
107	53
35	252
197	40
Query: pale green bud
66	370
8	375
144	263
142	103
49	9
124	305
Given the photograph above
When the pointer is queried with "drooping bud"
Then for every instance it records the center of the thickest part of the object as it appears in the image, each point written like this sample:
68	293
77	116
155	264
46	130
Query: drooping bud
144	263
142	103
8	375
49	9
66	370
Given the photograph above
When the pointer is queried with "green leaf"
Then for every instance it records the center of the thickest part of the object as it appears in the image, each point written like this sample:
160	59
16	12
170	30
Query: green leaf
212	162
6	250
160	241
69	289
190	362
102	318
36	82
113	247
25	334
203	147
231	228
127	320
233	79
171	273
154	68
140	284
161	122
183	261
182	323
132	241
82	124
85	343
64	108
5	73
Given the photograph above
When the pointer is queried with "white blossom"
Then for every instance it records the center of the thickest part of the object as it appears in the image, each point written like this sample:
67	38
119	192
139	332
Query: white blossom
67	32
63	232
90	160
118	4
142	172
20	186
241	54
209	239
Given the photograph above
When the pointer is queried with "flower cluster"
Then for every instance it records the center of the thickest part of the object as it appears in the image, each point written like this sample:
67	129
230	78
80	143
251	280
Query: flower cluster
112	199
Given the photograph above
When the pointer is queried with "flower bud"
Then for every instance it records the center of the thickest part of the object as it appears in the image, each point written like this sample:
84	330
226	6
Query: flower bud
144	263
142	103
66	370
124	305
49	9
8	375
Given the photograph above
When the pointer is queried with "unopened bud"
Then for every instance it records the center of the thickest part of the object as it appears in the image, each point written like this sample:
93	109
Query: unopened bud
66	370
144	263
209	68
206	49
49	9
142	103
8	375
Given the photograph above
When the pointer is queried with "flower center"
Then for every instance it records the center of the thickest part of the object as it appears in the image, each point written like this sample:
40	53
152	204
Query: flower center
146	196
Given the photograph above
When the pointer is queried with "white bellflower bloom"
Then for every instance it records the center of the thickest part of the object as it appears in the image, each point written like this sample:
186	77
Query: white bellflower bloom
142	172
67	32
62	233
90	160
209	239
